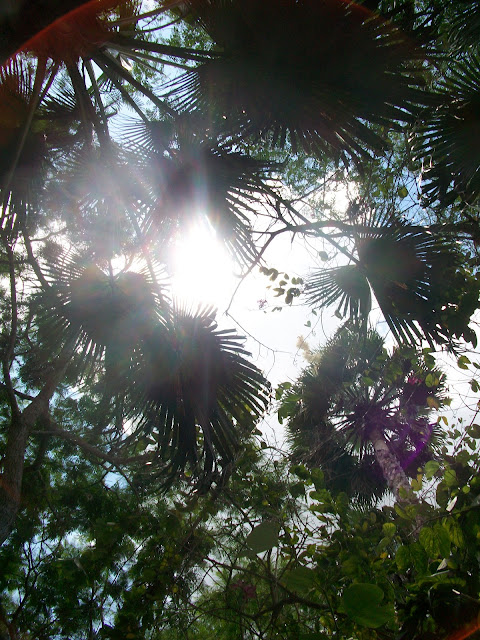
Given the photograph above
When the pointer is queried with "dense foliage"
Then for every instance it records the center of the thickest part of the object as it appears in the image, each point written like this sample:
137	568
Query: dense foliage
138	496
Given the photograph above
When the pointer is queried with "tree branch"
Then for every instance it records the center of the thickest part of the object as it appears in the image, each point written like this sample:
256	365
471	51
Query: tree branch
90	448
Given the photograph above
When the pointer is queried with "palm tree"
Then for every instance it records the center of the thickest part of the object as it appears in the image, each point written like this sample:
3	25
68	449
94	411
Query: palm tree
361	414
192	384
287	72
414	274
168	371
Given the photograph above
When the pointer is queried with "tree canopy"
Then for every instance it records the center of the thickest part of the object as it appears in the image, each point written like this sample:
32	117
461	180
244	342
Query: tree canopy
139	497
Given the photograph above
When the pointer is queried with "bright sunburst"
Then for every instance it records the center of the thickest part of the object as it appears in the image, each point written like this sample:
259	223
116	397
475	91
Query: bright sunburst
201	269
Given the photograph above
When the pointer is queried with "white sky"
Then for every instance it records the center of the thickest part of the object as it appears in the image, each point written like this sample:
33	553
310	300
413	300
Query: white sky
204	273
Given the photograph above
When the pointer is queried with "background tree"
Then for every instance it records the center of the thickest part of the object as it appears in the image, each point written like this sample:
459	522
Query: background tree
361	414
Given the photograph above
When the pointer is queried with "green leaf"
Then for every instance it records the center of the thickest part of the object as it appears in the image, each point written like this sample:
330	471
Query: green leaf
419	558
432	380
455	532
263	537
428	542
443	540
273	273
318	478
403	558
403	513
416	483
300	579
431	468
474	431
402	192
300	471
450	478
435	541
463	362
362	604
297	489
316	495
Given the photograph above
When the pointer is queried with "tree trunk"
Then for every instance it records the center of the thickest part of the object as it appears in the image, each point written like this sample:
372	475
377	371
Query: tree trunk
391	467
14	459
17	438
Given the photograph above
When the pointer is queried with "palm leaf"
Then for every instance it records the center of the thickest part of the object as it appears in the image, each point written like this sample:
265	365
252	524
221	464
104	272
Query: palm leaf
99	197
449	142
23	155
191	178
407	268
103	314
74	34
464	26
339	363
323	447
32	26
33	139
299	77
345	286
194	391
413	275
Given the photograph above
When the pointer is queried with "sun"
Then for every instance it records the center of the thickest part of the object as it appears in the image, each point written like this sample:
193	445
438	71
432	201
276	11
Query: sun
202	272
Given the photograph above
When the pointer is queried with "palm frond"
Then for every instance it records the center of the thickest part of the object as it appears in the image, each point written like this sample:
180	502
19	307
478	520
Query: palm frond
322	447
34	138
464	26
449	141
195	392
191	178
406	267
345	286
414	276
102	313
352	351
23	155
98	195
300	79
